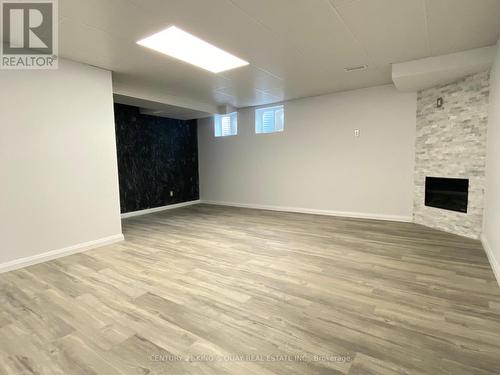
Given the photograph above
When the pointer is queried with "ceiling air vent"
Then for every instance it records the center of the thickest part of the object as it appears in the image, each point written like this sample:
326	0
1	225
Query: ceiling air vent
356	68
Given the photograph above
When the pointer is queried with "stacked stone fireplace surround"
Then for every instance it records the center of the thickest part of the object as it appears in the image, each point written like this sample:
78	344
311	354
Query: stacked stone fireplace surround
451	143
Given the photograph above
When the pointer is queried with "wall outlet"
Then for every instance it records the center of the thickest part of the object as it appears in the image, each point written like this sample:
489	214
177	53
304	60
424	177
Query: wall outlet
171	193
356	133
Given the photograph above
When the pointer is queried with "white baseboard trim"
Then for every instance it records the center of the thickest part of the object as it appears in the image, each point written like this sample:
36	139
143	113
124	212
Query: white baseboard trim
59	253
158	209
495	265
312	211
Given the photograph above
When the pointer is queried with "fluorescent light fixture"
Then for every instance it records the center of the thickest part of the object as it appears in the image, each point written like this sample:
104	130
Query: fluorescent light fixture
181	45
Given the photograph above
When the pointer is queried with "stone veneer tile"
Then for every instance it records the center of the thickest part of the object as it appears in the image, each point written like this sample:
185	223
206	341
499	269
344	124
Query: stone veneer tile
451	142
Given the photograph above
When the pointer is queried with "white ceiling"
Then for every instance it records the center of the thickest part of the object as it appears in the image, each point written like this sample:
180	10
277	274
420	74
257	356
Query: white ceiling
153	108
429	72
296	48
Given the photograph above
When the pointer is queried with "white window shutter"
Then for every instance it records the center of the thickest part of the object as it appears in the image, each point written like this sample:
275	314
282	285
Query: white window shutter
269	120
226	125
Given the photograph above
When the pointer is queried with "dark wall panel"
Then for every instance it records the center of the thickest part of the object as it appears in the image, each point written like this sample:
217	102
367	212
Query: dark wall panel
156	155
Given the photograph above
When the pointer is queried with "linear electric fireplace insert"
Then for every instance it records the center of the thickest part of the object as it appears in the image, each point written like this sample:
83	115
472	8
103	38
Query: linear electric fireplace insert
448	193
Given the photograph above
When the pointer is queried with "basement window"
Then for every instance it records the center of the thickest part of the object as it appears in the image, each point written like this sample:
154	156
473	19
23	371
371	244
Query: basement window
269	120
226	125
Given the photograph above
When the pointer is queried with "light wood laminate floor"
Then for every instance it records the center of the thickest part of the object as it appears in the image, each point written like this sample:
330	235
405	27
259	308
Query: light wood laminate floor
302	294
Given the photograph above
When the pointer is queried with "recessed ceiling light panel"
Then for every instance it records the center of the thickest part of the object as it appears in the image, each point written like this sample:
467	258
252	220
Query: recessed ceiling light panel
183	46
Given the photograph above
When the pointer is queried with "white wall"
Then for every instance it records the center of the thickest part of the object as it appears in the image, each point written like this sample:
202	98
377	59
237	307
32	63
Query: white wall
491	219
58	168
317	164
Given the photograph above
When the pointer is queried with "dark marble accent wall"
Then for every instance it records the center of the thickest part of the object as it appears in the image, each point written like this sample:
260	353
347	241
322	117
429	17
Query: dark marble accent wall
156	155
